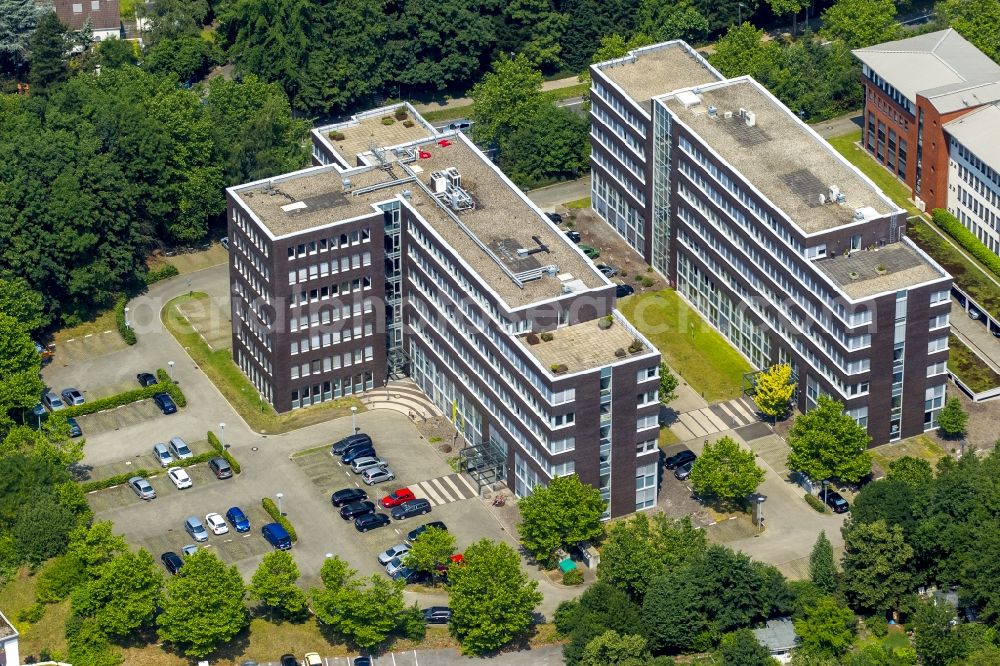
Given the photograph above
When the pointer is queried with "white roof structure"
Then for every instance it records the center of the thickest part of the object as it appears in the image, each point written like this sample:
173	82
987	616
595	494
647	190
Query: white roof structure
941	66
977	131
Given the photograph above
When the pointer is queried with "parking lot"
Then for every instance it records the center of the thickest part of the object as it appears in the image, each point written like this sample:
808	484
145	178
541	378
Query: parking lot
118	418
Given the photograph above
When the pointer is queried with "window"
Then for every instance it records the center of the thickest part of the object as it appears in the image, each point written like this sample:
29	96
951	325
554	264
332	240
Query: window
645	447
939	297
95	5
77	8
938	368
937	344
644	422
939	321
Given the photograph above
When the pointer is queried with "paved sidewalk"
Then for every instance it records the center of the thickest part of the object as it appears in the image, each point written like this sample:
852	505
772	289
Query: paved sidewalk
466	101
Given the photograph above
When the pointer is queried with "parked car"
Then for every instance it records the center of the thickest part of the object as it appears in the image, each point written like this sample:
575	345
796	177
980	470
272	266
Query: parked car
238	519
179	448
217	524
340	447
399	550
371	521
289	660
460	125
681	457
39	410
74	428
165	403
162	454
397	497
437	615
362	661
355	509
312	659
394	565
361	464
607	271
220	467
146	379
408	575
52	401
836	502
194	527
591	252
555	217
142	488
172	562
374	475
360	451
974	313
189	549
412	508
347	496
179	477
623	290
277	536
684	471
573	235
72	397
414	533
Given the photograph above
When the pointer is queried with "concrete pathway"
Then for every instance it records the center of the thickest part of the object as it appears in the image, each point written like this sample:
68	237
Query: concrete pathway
712	419
839	126
548	198
467	101
975	335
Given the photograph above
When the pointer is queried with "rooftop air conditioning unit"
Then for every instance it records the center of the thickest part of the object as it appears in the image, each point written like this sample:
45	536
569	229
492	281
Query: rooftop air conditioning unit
713	112
346	182
822	198
454	178
751	118
727	115
834	192
439	182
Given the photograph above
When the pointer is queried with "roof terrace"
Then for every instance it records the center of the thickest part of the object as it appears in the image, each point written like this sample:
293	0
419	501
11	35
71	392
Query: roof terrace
892	267
370	129
784	159
654	70
585	345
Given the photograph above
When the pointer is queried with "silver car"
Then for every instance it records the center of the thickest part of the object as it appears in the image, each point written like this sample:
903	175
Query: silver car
374	475
52	402
361	464
162	454
395	565
179	448
399	550
142	488
196	529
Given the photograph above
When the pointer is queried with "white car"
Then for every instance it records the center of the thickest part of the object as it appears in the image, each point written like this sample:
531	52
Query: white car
216	523
312	659
399	550
179	477
367	462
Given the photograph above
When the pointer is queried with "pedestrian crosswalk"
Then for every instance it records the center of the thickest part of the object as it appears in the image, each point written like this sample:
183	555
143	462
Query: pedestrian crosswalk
444	489
715	418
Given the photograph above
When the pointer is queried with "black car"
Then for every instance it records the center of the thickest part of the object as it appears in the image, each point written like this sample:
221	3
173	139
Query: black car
289	660
414	507
679	458
684	471
370	521
146	378
363	661
411	537
348	495
165	403
340	448
172	561
74	428
836	501
555	217
623	290
574	236
437	615
408	575
355	509
359	451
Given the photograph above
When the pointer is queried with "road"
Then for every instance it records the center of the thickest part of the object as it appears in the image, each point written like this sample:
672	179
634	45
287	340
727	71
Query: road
974	334
466	101
839	126
547	198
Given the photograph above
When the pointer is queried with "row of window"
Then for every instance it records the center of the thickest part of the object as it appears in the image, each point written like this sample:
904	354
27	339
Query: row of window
296	299
254	351
335	242
597	132
889	110
619	129
983	168
617	210
328	315
616	172
325	268
626	114
257	378
331	363
332	389
251	276
328	339
890	91
979	210
975	226
250	229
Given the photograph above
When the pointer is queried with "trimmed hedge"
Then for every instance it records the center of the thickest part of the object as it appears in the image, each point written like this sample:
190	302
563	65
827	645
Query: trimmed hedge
217	445
163	377
120	479
128	335
167	271
952	226
815	503
272	510
128	397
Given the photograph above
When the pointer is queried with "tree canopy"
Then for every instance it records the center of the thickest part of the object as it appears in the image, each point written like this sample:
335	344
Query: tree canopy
362	610
773	390
825	442
861	23
726	472
559	515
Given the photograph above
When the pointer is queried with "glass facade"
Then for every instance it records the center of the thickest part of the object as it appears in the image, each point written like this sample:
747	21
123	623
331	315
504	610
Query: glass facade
662	210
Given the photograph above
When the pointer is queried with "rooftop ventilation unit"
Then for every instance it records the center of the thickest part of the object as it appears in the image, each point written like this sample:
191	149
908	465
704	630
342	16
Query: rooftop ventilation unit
407	194
454	178
439	182
346	182
713	112
727	115
688	99
834	193
750	118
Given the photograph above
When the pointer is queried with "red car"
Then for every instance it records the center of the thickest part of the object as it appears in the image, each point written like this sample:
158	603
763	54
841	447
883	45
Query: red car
397	497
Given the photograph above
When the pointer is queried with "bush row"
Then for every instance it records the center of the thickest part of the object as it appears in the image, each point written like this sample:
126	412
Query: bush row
128	397
128	335
217	445
120	479
272	510
954	228
167	271
815	503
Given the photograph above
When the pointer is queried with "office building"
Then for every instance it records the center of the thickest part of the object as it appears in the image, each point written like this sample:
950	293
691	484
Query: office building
405	252
974	173
782	245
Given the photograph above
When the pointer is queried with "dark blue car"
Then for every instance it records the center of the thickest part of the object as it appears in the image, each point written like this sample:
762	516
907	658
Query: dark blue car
276	536
238	519
358	452
165	403
74	428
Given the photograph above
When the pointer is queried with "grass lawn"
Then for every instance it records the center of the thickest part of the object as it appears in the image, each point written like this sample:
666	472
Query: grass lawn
969	368
666	438
46	634
921	446
690	346
579	203
218	365
190	262
103	322
894	188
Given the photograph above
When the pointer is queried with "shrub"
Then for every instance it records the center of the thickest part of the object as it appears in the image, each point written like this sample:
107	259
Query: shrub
128	335
408	123
635	347
412	625
620	353
532	338
167	271
171	387
646	281
400	113
217	445
558	368
128	397
31	614
815	503
272	510
878	625
954	228
336	136
121	479
58	579
573	577
387	121
606	322
547	337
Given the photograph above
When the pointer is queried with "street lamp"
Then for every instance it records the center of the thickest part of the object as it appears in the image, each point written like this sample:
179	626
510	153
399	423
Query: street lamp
739	11
170	369
824	490
222	427
280	496
127	324
354	416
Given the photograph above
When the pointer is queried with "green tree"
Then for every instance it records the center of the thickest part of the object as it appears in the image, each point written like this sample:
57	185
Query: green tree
18	19
431	550
915	473
552	146
793	7
203	606
491	598
826	628
117	53
49	45
952	419
822	570
507	98
773	391
877	573
124	596
187	56
20	383
24	304
274	585
742	50
88	645
671	19
976	20
559	515
936	634
412	624
675	618
614	649
668	384
726	472
861	23
534	28
170	19
601	608
364	611
741	648
41	528
825	442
